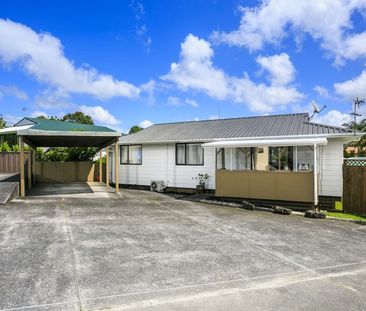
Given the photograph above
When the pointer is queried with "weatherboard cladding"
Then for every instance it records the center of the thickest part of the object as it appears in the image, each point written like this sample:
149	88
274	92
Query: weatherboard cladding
261	126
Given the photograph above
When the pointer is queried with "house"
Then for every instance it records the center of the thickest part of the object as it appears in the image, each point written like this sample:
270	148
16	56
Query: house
277	158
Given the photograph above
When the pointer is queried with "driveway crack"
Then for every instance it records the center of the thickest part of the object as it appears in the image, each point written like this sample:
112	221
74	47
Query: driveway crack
74	256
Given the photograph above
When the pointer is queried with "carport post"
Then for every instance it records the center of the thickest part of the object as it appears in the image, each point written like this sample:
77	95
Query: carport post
107	166
116	167
29	167
34	166
100	166
21	166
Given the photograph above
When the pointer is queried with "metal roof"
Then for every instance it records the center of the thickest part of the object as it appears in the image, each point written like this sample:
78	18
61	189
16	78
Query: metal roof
211	130
38	132
64	126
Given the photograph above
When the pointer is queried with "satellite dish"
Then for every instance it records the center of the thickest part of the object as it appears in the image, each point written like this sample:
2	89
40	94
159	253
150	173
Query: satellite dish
315	107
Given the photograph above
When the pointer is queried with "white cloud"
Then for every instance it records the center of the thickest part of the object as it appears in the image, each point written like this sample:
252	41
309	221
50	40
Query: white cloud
177	102
174	101
14	91
280	69
326	21
353	88
192	103
38	113
332	117
52	99
99	114
146	123
195	71
213	117
42	56
322	91
261	97
10	119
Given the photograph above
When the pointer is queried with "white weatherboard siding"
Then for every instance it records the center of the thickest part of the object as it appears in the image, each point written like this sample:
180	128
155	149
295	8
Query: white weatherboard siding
158	163
331	161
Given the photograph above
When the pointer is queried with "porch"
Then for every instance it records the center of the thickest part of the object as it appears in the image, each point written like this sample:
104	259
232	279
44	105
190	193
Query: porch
277	169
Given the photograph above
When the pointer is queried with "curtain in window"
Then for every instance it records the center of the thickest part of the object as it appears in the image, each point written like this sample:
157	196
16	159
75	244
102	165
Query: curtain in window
194	154
124	154
241	159
220	159
134	155
181	158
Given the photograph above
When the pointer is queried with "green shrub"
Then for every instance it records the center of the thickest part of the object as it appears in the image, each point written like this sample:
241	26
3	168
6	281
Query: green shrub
4	147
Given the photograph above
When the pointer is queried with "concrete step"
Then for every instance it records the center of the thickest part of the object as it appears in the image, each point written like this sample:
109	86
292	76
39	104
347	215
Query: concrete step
8	191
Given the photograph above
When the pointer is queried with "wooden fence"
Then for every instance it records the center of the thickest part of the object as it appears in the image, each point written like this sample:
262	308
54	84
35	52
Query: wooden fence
63	172
9	162
48	172
354	186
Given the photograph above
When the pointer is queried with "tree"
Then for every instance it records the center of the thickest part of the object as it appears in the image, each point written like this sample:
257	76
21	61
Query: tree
48	117
135	129
360	145
2	123
78	117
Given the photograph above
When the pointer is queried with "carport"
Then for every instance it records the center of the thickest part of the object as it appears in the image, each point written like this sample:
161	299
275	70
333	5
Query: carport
38	132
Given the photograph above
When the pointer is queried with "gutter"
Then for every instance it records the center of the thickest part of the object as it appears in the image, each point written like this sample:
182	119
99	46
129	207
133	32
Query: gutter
348	137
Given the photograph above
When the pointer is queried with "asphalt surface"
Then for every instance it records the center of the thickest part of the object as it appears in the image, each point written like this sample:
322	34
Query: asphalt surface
147	251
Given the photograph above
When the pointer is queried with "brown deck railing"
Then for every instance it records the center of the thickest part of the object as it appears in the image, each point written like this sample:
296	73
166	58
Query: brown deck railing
266	185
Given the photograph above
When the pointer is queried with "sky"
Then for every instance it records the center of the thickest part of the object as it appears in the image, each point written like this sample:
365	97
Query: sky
140	62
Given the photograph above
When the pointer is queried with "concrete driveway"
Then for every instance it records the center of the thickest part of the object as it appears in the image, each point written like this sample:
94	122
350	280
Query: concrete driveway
147	251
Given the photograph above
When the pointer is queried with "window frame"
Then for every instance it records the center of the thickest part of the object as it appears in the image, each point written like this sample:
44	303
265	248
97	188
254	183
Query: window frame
185	154
128	154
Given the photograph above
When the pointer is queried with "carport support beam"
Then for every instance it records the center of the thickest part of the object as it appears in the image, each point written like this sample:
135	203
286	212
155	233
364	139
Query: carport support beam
34	166
100	166
29	167
107	166
21	166
116	167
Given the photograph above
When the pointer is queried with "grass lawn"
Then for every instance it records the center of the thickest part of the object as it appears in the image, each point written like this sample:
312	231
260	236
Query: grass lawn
345	215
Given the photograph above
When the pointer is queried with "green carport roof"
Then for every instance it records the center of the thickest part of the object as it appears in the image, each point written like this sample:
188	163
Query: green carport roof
38	132
65	126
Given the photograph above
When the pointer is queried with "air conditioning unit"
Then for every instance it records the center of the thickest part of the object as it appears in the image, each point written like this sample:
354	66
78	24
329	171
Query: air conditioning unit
157	185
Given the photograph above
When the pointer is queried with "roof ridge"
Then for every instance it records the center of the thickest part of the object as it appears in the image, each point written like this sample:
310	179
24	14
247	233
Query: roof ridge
236	118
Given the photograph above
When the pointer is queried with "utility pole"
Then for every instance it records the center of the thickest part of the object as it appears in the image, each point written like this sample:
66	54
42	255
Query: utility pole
356	105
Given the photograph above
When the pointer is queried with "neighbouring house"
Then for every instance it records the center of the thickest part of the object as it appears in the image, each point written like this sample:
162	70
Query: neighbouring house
276	158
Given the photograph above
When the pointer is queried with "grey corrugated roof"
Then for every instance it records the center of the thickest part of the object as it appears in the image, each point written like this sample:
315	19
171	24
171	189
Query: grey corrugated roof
209	130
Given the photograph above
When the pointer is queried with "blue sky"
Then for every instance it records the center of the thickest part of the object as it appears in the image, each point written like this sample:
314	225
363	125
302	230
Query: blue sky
141	62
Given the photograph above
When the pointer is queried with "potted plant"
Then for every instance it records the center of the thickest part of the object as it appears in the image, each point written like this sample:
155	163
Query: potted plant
201	182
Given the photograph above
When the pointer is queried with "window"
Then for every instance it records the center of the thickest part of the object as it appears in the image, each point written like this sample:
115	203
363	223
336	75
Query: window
239	159
189	154
265	158
281	158
131	154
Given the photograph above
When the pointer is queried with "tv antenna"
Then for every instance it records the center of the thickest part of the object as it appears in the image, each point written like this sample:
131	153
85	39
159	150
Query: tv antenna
316	109
356	105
